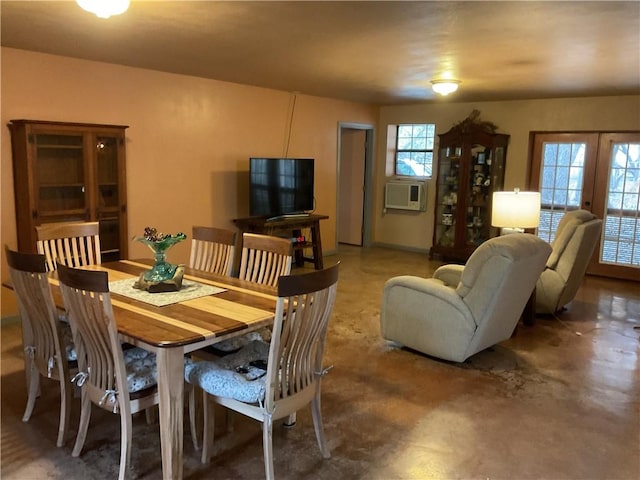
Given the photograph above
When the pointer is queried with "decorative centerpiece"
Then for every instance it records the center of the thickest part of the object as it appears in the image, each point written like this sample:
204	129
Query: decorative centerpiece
163	276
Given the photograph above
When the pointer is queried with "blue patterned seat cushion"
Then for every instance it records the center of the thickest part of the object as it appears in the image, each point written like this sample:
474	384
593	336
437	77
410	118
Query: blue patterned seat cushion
67	341
141	368
221	378
236	343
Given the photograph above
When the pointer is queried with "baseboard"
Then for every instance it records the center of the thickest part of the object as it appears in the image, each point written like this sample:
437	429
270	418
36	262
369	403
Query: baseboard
401	247
9	320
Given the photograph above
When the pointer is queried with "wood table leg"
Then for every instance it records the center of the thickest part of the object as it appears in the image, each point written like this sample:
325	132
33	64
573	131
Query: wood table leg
299	254
318	262
171	392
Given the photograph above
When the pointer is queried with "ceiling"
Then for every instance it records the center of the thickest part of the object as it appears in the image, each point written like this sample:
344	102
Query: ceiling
378	52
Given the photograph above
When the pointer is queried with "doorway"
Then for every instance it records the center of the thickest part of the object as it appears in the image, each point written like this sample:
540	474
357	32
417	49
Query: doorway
599	172
354	184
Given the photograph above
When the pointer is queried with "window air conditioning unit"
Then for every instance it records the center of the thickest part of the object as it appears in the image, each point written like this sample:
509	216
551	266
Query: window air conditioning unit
405	196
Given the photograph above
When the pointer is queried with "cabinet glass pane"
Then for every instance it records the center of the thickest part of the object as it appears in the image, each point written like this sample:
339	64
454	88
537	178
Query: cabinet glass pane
479	196
109	238
107	171
60	172
448	181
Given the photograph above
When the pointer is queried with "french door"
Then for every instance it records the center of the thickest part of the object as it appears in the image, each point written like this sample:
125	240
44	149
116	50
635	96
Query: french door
599	172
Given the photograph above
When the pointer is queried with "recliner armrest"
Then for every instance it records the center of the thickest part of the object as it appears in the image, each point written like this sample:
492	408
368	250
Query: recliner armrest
426	287
449	274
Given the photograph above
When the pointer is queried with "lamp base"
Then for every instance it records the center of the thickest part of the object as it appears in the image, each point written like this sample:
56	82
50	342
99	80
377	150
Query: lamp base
508	230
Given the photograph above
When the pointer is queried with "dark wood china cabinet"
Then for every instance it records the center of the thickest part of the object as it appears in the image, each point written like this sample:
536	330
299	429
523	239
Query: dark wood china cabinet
471	165
70	172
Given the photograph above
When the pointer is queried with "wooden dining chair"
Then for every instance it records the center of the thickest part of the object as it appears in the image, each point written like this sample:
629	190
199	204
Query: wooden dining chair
47	342
212	250
75	243
293	360
120	381
265	258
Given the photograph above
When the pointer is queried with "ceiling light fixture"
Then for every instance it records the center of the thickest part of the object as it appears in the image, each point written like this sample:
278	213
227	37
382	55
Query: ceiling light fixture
104	8
444	87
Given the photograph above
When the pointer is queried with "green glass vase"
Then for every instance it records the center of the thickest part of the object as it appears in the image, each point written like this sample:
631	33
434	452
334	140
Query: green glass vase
163	276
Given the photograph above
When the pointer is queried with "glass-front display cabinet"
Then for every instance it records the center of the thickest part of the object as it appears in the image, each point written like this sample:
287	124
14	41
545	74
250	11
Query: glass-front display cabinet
471	164
70	172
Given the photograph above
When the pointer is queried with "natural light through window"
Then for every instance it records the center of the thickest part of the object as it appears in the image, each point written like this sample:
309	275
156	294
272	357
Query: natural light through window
414	150
621	242
561	184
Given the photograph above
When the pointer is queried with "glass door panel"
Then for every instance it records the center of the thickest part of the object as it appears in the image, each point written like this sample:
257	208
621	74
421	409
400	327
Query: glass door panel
448	180
107	201
60	175
599	172
109	238
561	183
107	172
621	240
479	196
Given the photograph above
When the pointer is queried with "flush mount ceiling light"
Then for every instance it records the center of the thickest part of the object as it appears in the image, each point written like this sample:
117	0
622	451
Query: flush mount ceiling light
444	87
104	8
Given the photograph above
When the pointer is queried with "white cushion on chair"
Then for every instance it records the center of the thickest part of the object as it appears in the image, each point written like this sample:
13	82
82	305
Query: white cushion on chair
220	378
234	344
141	367
67	341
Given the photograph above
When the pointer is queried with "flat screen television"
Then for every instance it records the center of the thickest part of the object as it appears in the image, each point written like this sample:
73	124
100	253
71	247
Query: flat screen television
280	186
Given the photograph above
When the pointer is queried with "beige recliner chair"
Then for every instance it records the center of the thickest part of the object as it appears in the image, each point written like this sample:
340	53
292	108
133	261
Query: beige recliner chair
462	310
576	238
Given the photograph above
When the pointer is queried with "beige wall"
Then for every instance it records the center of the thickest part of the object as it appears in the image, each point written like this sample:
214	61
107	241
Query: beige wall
516	118
190	138
188	142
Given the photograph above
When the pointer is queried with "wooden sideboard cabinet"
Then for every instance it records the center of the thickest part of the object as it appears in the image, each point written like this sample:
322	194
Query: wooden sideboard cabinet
471	165
70	172
290	227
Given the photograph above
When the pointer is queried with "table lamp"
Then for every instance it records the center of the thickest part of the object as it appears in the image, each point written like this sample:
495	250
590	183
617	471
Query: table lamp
515	211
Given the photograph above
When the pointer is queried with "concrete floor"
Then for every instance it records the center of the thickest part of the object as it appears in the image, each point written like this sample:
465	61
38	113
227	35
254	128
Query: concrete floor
559	400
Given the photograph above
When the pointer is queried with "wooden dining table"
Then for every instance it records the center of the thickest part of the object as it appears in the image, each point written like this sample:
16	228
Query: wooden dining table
173	330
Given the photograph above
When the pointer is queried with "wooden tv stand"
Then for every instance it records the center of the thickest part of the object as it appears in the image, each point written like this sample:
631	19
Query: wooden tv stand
292	226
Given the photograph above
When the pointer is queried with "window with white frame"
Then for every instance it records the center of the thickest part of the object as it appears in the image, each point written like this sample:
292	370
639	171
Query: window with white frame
414	149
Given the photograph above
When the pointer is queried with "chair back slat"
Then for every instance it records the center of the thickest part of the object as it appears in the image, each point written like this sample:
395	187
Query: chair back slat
304	306
265	258
77	244
212	250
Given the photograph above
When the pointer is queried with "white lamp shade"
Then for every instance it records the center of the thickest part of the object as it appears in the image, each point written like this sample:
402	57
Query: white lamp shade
104	8
515	209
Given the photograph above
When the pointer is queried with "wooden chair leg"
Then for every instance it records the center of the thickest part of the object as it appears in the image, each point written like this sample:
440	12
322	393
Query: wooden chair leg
33	389
208	427
125	443
267	446
83	426
290	422
193	410
151	415
66	393
229	419
318	425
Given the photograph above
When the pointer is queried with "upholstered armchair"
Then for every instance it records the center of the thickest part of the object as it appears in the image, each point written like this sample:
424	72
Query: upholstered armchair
576	238
462	310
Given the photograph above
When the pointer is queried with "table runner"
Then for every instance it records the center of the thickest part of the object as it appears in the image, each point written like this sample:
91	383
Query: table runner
189	291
